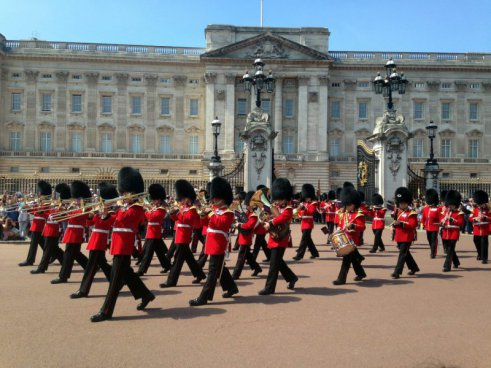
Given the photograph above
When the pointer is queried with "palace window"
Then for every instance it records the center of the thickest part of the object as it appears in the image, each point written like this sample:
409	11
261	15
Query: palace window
335	110
194	81
473	111
362	110
106	142
76	76
165	144
418	110
474	86
266	105
445	110
165	106
446	148
193	145
241	107
334	147
107	103
46	76
288	144
363	84
16	102
136	108
14	169
238	144
76	142
76	103
419	85
136	79
336	84
44	170
289	108
418	147
45	143
15	141
46	102
446	85
474	148
136	143
106	77
193	107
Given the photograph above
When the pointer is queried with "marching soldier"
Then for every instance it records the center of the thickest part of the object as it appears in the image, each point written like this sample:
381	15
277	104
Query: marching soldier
480	219
431	220
330	212
453	219
377	212
309	208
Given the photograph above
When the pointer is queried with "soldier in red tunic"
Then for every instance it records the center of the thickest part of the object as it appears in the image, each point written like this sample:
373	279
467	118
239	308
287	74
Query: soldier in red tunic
219	224
153	239
128	220
330	212
74	234
377	213
37	225
98	242
260	239
281	195
431	219
405	222
480	219
246	233
453	219
309	208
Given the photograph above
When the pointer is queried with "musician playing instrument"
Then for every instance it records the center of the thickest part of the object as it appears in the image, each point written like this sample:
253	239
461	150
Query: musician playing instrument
219	223
330	212
260	235
431	218
453	219
377	213
102	223
480	219
154	237
198	235
128	220
404	224
39	220
309	207
246	233
352	222
281	194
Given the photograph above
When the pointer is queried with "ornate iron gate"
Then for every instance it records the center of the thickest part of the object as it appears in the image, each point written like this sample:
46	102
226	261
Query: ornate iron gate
236	176
366	166
416	183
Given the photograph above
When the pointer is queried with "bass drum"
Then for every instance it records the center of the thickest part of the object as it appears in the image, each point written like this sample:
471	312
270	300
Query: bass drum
341	242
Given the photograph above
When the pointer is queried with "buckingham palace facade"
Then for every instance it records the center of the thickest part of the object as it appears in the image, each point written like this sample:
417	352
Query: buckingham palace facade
73	110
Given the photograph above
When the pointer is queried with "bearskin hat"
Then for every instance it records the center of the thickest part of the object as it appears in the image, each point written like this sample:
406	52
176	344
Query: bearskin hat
323	196
338	192
241	195
130	181
260	186
480	197
79	189
248	197
350	195
377	199
63	190
362	195
107	191
308	191
403	195
281	189
220	188
44	188
348	184
184	189
431	197
331	195
156	191
453	198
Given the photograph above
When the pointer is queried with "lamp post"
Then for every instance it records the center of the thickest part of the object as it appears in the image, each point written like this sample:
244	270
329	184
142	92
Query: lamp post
215	166
259	81
432	169
391	83
431	134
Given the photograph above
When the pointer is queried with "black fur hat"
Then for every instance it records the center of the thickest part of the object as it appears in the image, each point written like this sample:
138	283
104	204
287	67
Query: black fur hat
241	195
79	189
308	191
480	197
431	197
323	196
362	195
260	186
281	189
107	191
184	189
453	198
377	199
348	184
248	197
350	195
220	188
130	181
403	195
156	191
44	188
63	190
331	195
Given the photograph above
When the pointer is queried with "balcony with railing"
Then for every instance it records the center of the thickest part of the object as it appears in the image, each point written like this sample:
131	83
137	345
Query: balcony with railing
424	57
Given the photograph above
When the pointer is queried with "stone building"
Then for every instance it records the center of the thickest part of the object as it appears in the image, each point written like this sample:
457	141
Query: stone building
84	109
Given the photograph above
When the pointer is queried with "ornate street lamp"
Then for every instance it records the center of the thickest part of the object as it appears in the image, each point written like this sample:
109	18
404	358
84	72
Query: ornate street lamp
259	81
391	83
216	125
431	134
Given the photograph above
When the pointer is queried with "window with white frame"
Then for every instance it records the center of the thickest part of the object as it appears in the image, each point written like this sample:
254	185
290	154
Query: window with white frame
446	148
193	145
165	106
334	147
266	105
76	103
136	143
106	142
446	85
136	105
165	144
289	108
419	110
45	143
473	111
362	110
46	102
238	144
241	107
418	147
107	104
76	142
288	144
16	101
15	141
474	148
335	110
193	107
446	111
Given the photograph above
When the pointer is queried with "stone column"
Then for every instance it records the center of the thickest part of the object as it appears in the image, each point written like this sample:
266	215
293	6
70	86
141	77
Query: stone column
179	84
229	121
302	114
91	137
322	125
31	133
151	136
349	116
121	112
278	115
3	110
461	115
210	79
486	118
61	111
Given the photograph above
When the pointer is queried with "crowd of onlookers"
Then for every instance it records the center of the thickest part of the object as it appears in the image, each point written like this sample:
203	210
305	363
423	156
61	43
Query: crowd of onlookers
14	220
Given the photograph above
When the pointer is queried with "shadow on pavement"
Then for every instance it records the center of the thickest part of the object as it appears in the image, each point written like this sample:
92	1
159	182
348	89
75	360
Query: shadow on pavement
371	283
472	269
323	291
443	276
379	266
276	298
174	313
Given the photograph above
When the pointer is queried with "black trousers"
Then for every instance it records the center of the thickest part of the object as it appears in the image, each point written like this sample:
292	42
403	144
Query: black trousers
354	258
36	239
451	256
245	254
171	251
183	253
51	249
378	242
217	270
330	229
260	243
197	237
203	257
432	237
121	274
154	245
307	242
405	257
277	264
72	254
97	259
482	245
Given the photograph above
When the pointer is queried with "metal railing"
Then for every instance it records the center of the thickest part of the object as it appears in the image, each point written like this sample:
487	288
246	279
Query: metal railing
140	156
410	56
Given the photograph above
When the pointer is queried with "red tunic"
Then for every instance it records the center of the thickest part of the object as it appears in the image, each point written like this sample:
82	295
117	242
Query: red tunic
405	232
125	229
378	218
284	217
480	221
38	221
219	223
330	211
204	225
249	227
155	219
452	221
308	215
185	220
52	228
357	218
99	237
431	217
75	229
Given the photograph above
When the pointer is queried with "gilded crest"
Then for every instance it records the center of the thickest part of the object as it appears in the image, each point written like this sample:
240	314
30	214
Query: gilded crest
363	173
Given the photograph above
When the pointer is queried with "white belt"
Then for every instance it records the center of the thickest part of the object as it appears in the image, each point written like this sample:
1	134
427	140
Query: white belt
123	230
154	223
183	225
100	231
52	222
481	223
307	217
38	218
452	226
330	213
378	218
226	235
70	226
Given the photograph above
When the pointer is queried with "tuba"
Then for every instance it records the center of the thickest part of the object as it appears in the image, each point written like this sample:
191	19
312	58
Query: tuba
260	200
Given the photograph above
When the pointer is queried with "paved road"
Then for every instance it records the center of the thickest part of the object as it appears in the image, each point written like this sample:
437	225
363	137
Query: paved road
433	319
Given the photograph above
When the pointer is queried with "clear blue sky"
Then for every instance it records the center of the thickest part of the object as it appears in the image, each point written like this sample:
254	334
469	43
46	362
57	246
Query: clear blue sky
371	25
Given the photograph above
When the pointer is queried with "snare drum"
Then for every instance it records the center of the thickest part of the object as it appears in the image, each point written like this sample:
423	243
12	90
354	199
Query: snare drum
341	242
